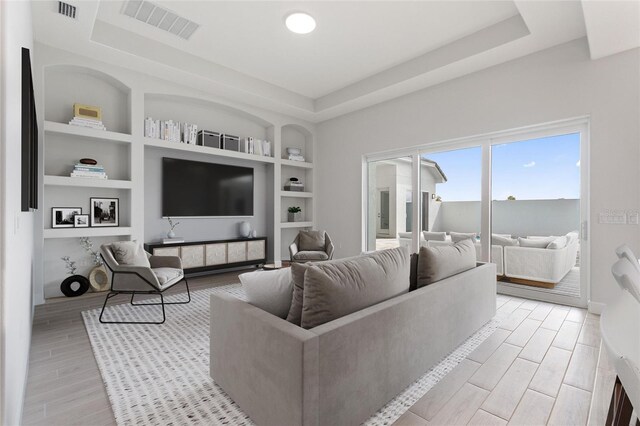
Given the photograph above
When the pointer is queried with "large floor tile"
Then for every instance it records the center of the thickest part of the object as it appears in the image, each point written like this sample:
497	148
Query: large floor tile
582	368
537	347
567	335
571	407
548	378
488	347
554	320
521	335
482	418
461	407
490	373
504	398
534	409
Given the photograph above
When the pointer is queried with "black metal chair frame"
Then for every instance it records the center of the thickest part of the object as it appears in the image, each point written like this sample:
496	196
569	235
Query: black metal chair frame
155	291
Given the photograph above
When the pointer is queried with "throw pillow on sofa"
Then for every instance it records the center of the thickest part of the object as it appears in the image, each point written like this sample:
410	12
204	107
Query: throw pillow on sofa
297	277
311	240
535	242
499	240
338	288
434	236
456	237
130	253
270	291
440	262
558	243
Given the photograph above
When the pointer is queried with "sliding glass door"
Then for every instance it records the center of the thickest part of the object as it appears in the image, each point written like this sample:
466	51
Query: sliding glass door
521	196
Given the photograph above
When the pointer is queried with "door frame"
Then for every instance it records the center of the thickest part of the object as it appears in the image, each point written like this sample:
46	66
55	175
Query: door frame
485	141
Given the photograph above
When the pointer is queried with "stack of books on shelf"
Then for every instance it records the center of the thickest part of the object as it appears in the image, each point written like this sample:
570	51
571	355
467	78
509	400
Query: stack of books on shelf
87	122
256	146
296	157
89	171
169	130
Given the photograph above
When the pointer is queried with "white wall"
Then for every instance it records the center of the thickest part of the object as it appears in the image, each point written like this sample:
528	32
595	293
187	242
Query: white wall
555	84
17	227
518	218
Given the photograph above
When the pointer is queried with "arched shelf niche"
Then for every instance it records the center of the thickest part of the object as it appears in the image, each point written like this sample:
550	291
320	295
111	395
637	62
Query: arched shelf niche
297	136
65	85
208	115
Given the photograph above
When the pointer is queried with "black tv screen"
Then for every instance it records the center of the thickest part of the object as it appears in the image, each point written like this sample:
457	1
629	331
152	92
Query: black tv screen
194	188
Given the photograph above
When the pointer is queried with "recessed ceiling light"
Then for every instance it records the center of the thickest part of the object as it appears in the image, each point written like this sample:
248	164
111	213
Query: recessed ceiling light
300	23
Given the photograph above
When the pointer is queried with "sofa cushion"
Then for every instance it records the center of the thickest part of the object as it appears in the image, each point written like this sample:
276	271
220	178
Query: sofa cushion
337	288
305	255
440	262
311	240
130	253
558	243
434	236
459	236
297	277
535	242
270	291
499	240
572	236
166	275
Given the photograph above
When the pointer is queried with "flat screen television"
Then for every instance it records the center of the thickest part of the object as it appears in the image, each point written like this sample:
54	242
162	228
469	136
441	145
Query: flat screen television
194	188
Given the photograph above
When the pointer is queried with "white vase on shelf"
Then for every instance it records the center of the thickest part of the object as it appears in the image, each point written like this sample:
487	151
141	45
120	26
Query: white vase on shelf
245	229
171	234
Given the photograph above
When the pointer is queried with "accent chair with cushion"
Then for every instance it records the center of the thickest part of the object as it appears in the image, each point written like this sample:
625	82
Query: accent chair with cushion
134	271
311	246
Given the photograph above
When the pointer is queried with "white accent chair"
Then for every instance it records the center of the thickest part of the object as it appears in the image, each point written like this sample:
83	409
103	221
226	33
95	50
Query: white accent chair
620	337
164	273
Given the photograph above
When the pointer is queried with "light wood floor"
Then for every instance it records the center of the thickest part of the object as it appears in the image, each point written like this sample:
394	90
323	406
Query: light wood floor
64	386
538	367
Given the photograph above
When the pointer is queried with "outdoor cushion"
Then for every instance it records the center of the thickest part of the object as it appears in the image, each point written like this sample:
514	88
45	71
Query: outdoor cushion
439	262
535	242
311	255
337	288
500	240
166	275
459	236
130	253
270	291
311	240
558	243
434	236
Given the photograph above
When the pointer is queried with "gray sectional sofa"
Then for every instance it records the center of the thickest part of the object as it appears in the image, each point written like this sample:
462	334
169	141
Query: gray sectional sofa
343	371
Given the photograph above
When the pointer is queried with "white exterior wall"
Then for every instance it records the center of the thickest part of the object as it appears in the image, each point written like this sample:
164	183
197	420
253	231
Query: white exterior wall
558	83
518	218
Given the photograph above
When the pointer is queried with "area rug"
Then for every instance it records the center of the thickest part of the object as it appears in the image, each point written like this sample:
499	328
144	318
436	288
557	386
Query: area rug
160	374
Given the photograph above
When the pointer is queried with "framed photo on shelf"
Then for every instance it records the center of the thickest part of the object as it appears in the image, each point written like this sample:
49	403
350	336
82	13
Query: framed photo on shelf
105	212
81	221
63	217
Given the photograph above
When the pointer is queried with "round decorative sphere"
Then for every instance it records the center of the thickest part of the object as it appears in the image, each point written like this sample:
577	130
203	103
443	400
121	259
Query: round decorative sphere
69	290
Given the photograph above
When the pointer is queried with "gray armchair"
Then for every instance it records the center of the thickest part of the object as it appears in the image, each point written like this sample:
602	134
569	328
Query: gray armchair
164	273
311	246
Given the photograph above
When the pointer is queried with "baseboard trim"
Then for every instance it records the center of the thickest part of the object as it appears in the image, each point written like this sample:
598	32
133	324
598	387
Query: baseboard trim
596	307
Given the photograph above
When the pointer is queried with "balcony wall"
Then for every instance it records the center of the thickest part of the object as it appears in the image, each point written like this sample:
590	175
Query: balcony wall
519	218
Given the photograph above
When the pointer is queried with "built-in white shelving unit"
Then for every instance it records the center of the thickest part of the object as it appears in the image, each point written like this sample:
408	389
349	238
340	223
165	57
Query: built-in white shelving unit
288	225
86	133
131	160
157	143
86	182
87	232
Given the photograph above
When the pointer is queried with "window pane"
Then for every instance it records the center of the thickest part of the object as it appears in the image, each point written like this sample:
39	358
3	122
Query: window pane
451	191
536	200
390	203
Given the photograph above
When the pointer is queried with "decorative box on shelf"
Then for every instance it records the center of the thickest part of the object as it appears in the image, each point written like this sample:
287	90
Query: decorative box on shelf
293	184
209	138
230	143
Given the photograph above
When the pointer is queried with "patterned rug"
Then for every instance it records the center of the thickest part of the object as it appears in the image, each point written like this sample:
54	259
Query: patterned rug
160	374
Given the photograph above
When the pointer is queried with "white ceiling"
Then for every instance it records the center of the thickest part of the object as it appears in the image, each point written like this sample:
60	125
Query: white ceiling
361	52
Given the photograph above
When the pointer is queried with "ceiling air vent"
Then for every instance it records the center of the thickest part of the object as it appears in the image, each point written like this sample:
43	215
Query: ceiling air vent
67	10
159	17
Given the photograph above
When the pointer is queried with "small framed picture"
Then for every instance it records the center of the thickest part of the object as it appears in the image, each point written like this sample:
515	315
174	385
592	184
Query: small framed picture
81	221
105	212
62	217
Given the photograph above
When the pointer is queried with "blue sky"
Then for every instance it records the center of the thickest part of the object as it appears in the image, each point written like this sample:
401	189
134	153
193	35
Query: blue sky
545	168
